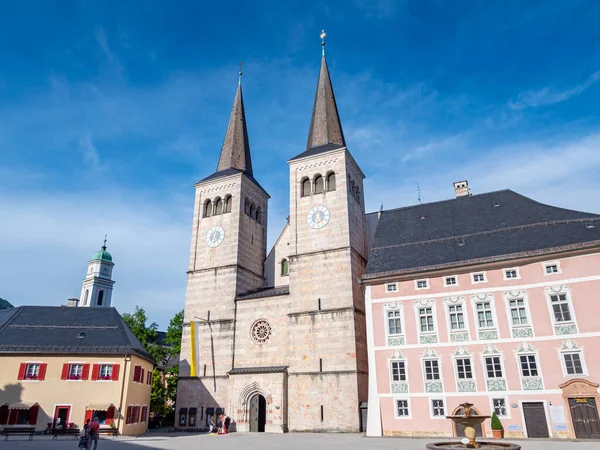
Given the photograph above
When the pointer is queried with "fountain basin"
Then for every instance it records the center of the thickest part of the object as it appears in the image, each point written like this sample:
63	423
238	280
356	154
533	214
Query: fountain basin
482	445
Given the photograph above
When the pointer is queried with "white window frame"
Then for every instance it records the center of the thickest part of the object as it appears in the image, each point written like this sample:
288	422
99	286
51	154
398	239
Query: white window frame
535	360
100	371
470	358
460	325
478	273
389	286
518	295
526	349
569	347
488	298
419	330
560	290
446	278
547	264
426	280
456	301
516	269
399	306
426	303
439	367
445	406
32	364
506	405
398	360
581	360
485	368
407	400
71	365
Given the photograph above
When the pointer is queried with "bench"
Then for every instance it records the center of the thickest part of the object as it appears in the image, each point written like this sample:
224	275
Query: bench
7	431
66	431
109	431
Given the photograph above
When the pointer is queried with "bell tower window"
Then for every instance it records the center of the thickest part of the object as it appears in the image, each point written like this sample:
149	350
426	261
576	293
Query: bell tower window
227	205
319	184
100	298
207	209
218	207
331	182
85	298
306	188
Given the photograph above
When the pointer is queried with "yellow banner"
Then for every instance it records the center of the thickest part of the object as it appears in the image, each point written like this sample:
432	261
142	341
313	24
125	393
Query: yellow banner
193	349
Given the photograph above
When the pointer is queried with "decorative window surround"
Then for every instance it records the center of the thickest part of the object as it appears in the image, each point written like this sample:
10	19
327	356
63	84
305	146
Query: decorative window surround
569	347
426	337
391	287
402	404
494	384
436	384
529	382
551	268
397	338
561	327
457	334
485	332
511	273
422	284
478	277
520	330
400	386
451	281
500	406
464	384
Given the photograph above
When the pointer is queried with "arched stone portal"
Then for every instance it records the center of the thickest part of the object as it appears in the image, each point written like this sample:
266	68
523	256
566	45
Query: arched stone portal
581	401
258	413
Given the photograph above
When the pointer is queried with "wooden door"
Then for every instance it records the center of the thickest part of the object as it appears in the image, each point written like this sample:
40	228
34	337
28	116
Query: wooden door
254	413
62	413
584	413
535	420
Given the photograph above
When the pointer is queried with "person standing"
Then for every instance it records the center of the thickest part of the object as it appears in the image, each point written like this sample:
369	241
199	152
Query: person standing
93	430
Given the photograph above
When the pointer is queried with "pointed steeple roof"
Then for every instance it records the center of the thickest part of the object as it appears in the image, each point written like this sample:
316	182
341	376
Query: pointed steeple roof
235	153
325	125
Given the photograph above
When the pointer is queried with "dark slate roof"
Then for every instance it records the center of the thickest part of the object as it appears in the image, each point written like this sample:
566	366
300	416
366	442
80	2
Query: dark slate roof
246	370
318	150
493	226
56	329
264	292
229	172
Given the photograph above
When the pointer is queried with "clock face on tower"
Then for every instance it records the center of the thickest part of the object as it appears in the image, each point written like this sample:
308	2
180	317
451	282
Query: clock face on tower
215	236
318	217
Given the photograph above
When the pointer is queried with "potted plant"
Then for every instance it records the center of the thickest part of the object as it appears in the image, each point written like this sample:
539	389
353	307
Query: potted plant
497	429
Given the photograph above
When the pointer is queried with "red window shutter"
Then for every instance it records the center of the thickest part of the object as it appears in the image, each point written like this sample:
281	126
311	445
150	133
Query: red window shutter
144	413
142	375
3	414
14	414
42	372
95	371
85	371
22	369
110	415
88	415
136	373
33	414
115	372
129	410
137	414
65	371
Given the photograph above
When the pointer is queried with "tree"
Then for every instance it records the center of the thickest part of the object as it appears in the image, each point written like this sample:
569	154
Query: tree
496	424
173	340
5	304
174	330
146	334
157	396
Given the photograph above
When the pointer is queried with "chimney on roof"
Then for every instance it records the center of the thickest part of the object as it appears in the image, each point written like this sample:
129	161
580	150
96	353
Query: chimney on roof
73	301
461	188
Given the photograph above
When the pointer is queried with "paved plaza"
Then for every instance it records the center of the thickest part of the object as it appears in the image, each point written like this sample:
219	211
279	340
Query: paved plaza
246	441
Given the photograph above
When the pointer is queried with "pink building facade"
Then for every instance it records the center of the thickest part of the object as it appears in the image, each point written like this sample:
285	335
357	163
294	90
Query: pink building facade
516	334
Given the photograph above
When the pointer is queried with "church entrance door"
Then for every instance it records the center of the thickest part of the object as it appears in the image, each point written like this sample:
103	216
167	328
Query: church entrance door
258	413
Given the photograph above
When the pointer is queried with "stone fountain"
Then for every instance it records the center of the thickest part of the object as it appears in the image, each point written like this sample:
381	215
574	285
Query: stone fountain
470	421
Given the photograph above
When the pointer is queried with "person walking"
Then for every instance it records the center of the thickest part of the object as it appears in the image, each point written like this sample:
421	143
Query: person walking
93	429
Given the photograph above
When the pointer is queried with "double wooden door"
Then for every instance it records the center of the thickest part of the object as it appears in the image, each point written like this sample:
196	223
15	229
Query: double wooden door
584	413
535	420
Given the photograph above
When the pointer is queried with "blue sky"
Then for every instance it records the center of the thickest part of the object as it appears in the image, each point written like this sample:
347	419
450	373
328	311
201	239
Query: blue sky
110	111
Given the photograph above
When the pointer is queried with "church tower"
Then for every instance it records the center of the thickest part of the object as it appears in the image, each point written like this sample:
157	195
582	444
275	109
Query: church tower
328	254
228	250
97	287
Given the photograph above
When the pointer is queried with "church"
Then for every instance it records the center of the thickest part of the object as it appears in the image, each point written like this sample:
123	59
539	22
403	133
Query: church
277	342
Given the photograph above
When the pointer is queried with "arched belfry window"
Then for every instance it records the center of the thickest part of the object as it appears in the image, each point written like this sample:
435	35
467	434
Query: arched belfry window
100	298
252	211
218	206
85	297
285	268
207	209
306	188
259	215
331	182
247	207
319	188
227	205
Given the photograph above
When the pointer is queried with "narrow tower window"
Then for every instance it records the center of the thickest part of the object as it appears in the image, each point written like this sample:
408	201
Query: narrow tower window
100	297
207	208
247	207
85	297
318	184
259	215
284	268
306	188
331	182
252	211
218	206
227	205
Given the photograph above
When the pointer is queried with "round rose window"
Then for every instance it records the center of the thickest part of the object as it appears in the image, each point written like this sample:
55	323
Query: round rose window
261	331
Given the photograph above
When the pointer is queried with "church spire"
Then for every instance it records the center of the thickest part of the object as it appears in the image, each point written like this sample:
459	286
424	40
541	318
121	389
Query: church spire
325	125
235	153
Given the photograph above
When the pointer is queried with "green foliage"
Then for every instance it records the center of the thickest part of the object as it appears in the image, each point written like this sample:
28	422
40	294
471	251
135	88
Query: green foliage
496	424
157	395
5	304
146	334
174	330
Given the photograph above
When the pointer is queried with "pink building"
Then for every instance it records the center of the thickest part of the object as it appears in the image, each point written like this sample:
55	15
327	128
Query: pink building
492	299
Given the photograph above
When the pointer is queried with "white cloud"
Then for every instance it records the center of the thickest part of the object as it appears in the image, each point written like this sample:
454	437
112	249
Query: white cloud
102	41
548	96
90	152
